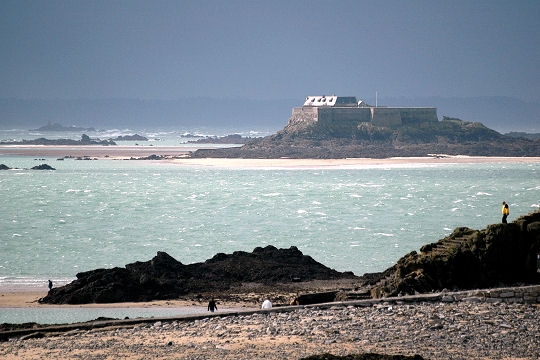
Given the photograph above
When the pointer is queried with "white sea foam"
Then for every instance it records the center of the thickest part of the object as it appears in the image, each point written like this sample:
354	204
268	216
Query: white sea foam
274	194
363	220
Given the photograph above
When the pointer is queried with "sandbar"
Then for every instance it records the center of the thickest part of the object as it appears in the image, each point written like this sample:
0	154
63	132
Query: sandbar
345	163
179	155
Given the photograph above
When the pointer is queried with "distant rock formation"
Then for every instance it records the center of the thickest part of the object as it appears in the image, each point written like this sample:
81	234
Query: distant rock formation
85	140
135	137
500	255
4	167
58	127
43	167
163	277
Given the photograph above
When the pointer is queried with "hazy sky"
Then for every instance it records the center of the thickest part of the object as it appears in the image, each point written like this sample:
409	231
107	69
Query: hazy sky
269	49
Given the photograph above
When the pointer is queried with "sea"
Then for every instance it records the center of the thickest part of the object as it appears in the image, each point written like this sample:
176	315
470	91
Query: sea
108	213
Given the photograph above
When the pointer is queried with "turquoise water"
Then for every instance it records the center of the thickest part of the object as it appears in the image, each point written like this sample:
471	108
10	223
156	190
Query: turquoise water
68	315
106	213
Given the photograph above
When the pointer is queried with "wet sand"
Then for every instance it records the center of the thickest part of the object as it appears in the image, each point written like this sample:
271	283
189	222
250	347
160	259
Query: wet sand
23	298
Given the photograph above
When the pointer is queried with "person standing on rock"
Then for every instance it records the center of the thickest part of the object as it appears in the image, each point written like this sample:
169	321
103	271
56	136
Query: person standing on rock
505	212
50	285
212	305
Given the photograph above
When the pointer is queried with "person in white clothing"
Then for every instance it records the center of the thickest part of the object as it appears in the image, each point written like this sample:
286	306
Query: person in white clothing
267	304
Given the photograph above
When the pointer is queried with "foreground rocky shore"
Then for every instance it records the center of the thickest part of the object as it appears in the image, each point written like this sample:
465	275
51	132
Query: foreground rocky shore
468	329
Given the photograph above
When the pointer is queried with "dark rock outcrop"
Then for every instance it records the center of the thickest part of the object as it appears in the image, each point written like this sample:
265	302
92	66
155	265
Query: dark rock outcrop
500	255
43	167
85	140
135	137
4	167
315	298
163	277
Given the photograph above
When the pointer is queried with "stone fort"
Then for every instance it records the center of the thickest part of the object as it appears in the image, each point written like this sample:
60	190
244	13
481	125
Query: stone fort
334	110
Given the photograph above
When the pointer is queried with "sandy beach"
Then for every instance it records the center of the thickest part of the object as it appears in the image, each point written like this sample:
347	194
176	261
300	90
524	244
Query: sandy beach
22	297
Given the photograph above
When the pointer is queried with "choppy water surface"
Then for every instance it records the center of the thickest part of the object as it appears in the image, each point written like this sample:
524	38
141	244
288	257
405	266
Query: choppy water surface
105	213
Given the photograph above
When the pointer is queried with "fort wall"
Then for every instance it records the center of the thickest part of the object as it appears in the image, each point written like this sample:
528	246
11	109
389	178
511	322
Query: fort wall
342	115
346	114
389	117
414	115
353	116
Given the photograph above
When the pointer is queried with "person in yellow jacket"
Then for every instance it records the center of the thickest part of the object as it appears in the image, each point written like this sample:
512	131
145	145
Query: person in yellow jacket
505	212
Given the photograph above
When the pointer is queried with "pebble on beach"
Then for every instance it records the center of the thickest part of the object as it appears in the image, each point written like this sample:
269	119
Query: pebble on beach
459	330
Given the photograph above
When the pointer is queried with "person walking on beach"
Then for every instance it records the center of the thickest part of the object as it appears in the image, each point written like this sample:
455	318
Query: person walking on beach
50	285
505	212
212	305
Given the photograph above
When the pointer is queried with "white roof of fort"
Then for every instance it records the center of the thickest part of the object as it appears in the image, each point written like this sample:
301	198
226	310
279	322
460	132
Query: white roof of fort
333	100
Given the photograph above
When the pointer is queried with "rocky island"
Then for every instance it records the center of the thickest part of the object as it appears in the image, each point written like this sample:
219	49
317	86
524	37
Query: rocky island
334	127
